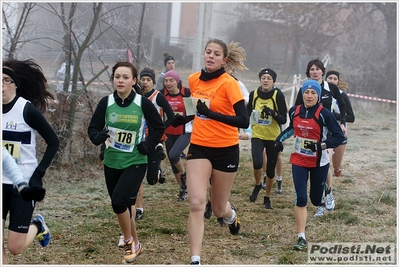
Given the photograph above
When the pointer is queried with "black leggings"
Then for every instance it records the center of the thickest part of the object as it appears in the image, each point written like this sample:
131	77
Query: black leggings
123	186
257	146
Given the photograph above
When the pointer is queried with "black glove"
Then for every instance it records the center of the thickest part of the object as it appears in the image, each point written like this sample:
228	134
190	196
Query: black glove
179	120
278	146
269	111
33	193
202	108
160	151
142	148
337	116
313	146
100	137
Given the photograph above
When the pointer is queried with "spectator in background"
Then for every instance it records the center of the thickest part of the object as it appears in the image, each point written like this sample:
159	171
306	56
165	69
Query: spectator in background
120	120
169	62
25	92
310	156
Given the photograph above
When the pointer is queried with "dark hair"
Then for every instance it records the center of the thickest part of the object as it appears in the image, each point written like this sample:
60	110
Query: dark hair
136	86
167	57
147	71
316	62
32	83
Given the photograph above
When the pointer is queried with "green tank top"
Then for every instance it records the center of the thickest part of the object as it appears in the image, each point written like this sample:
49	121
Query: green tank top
126	127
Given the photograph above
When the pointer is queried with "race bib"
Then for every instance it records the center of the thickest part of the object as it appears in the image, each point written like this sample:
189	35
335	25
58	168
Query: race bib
259	118
14	148
122	140
299	146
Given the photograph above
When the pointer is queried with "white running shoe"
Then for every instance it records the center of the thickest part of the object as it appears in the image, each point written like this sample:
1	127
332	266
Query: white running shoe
121	242
330	202
320	211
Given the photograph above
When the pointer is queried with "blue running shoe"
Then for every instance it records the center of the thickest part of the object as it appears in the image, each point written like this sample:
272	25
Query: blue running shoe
44	236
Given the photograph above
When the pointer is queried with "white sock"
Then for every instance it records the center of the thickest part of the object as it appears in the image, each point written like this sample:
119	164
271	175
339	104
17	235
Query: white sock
195	258
279	178
302	234
141	209
233	217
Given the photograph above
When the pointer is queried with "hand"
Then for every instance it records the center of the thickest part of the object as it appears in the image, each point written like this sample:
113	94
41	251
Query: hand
160	151
202	108
269	111
101	137
142	148
278	146
179	120
313	146
33	193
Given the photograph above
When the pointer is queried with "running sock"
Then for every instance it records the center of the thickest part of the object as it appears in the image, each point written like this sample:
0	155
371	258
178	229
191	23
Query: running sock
38	224
127	240
137	247
195	258
233	217
141	209
301	234
279	178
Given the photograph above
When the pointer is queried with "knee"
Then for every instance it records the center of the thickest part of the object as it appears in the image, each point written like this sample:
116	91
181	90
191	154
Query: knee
316	201
257	164
197	205
119	205
301	201
14	248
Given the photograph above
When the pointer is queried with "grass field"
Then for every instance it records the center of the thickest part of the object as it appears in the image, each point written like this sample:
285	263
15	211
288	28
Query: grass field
85	230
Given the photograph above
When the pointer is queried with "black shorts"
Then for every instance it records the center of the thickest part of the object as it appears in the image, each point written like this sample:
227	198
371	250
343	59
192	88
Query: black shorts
223	159
20	210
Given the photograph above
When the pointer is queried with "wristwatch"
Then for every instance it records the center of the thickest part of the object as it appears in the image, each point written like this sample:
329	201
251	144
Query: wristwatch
323	145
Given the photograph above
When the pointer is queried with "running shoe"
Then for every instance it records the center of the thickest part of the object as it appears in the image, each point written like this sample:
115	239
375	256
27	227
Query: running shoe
195	263
279	186
330	202
140	250
255	193
235	226
222	222
129	256
139	214
320	211
183	195
300	244
121	241
162	178
44	235
208	210
266	202
264	182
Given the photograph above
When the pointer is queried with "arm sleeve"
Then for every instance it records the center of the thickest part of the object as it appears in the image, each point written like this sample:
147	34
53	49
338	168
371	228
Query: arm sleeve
10	167
35	119
289	131
337	136
240	120
162	102
249	104
299	98
281	118
97	122
342	107
350	116
159	85
154	121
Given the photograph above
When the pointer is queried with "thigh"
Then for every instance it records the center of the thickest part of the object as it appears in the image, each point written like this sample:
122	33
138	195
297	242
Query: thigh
257	147
180	144
20	212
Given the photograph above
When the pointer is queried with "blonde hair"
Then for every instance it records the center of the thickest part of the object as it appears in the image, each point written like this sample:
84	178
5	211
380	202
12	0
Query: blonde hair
342	85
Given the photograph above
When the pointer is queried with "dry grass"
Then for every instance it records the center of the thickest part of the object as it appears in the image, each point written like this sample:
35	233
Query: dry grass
85	230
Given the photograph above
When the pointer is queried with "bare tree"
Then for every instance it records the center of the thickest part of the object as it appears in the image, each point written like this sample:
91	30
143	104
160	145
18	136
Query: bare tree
15	30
